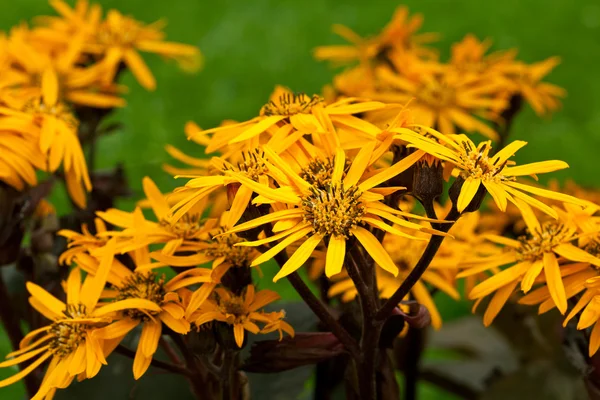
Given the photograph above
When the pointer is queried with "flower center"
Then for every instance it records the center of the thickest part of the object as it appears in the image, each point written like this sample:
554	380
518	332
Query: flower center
334	210
436	95
478	165
318	172
119	31
142	286
234	306
67	336
224	246
291	104
536	244
187	227
60	111
252	164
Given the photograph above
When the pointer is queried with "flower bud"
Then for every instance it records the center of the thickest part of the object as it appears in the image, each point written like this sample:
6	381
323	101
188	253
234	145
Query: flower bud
202	341
428	181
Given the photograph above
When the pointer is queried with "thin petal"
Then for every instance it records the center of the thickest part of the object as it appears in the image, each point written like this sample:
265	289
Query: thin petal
554	281
375	250
299	257
336	251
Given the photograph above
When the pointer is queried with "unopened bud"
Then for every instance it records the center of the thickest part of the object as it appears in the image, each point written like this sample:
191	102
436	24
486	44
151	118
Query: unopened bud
428	181
202	341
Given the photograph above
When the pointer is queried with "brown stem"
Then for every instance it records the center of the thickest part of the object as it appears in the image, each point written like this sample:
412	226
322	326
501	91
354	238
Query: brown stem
359	267
415	338
198	383
369	345
412	278
320	309
11	323
156	363
227	373
353	267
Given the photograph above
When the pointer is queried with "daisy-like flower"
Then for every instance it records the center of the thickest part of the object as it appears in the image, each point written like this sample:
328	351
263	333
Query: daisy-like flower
405	253
251	165
132	286
444	100
545	248
469	57
83	242
138	232
334	213
57	77
527	81
400	33
56	128
288	116
241	312
69	342
119	38
189	241
70	22
477	168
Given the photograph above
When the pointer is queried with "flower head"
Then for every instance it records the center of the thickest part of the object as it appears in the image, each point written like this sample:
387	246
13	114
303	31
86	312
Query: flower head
478	167
340	210
242	312
548	247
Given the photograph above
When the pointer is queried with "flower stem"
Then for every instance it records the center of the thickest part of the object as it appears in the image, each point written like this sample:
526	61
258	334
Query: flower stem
320	309
156	363
197	380
412	278
227	373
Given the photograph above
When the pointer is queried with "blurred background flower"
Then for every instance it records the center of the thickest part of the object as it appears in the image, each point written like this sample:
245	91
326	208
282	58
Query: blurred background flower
249	47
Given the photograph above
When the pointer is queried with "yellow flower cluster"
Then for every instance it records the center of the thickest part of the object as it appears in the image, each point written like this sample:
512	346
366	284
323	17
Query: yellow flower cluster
57	70
469	92
347	183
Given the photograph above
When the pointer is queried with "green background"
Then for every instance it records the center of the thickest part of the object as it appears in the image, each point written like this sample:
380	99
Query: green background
250	46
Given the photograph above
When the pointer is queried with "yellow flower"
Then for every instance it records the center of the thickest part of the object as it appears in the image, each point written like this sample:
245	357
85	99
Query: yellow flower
83	18
338	209
287	117
400	33
405	253
119	38
251	165
56	129
69	341
242	312
469	57
189	241
443	100
477	168
526	79
57	77
578	278
547	247
84	242
139	232
140	287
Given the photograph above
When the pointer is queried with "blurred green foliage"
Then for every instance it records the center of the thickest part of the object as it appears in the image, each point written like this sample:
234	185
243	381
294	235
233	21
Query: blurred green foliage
250	46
